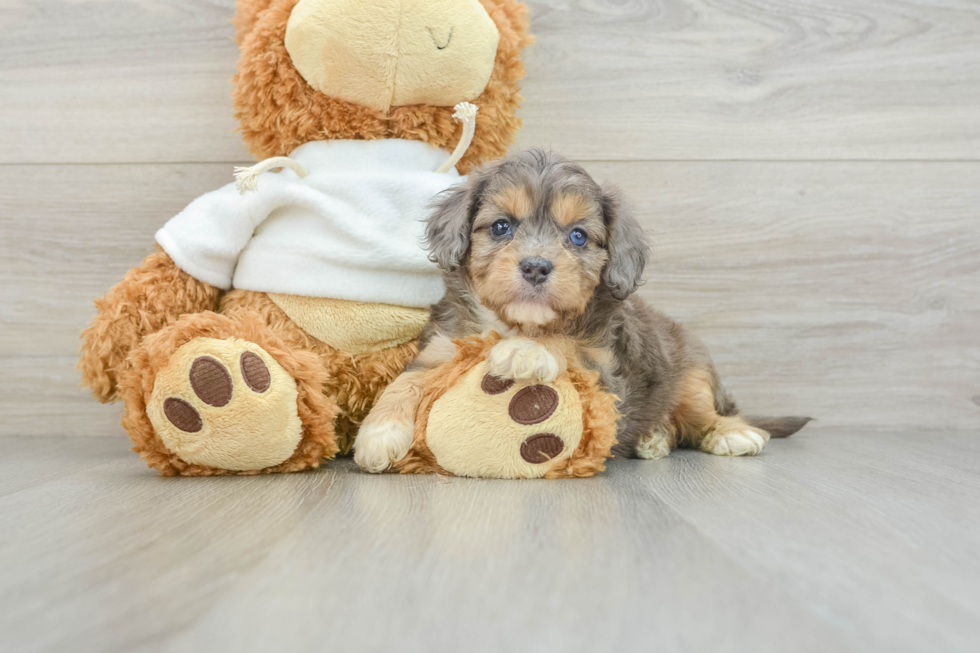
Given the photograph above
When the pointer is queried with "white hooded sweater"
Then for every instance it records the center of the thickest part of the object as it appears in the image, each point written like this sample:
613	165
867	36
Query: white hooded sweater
351	229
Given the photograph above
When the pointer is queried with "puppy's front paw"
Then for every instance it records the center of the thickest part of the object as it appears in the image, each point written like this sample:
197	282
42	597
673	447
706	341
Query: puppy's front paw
742	442
379	444
519	358
655	444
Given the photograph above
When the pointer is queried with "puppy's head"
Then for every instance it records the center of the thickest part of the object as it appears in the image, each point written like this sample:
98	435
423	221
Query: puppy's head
537	238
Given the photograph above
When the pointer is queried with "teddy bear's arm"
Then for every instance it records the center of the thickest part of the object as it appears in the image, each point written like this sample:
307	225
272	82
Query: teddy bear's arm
148	298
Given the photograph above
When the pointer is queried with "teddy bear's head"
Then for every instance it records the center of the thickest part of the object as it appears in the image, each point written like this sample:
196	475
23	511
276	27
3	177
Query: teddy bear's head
315	70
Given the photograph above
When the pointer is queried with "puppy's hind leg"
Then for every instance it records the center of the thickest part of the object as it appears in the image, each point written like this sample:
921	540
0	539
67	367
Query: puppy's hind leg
699	425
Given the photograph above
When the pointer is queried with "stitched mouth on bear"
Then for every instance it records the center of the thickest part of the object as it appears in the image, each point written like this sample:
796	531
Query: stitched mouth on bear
436	41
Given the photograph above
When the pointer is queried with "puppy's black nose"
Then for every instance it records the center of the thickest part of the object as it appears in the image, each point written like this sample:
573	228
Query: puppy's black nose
536	269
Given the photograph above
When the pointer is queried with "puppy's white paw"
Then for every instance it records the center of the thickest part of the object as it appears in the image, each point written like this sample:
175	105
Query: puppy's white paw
379	444
519	358
741	442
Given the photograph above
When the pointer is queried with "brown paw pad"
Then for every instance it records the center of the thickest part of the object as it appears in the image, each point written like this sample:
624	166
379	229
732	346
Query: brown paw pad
211	381
533	404
494	385
182	415
541	447
255	372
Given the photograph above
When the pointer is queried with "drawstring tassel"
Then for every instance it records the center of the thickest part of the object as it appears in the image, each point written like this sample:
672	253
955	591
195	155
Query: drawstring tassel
466	113
247	179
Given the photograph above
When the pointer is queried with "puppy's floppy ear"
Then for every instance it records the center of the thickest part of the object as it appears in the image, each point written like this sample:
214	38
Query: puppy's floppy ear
447	233
626	243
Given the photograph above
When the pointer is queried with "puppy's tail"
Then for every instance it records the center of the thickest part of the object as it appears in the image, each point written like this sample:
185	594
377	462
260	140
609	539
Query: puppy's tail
778	427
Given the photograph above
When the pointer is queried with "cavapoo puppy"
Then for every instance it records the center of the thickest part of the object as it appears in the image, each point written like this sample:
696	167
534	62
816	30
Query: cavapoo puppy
533	248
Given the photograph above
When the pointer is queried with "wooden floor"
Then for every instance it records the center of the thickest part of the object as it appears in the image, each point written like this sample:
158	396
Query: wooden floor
832	540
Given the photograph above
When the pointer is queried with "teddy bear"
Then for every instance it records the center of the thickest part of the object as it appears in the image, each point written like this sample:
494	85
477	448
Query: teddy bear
258	334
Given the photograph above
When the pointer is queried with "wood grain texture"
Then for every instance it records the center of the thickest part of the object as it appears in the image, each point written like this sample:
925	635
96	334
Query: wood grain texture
810	174
833	540
148	80
842	290
117	81
737	79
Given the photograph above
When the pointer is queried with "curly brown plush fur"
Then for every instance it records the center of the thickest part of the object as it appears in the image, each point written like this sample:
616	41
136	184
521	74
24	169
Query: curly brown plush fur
279	111
148	298
316	410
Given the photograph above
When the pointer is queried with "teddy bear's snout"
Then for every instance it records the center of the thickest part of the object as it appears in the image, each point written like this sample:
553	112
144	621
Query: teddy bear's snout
382	54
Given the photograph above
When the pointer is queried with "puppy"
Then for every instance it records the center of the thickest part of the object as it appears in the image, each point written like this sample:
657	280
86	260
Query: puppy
533	248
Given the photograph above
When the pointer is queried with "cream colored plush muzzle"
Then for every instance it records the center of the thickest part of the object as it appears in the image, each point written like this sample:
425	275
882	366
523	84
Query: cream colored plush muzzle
385	53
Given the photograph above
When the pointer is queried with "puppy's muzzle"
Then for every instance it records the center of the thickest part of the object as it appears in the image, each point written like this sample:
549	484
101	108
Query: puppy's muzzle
535	270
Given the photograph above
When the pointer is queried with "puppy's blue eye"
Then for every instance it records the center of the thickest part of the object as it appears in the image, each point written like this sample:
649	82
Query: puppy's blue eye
500	228
578	237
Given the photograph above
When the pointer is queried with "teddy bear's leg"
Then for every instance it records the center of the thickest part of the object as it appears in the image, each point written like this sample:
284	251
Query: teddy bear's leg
150	296
223	394
472	421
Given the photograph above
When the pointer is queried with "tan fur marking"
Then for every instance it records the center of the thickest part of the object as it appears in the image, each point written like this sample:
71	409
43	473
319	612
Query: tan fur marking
567	208
516	201
698	423
399	400
694	412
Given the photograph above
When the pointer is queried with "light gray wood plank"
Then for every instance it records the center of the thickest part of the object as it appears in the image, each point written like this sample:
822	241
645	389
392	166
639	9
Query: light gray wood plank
839	540
118	81
904	528
29	461
145	80
42	395
844	291
62	247
695	79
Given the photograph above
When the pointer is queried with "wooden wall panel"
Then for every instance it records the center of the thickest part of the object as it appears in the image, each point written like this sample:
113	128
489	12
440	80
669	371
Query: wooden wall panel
845	290
148	80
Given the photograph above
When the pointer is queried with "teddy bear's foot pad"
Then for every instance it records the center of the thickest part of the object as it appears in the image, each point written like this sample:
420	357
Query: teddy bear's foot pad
490	426
226	404
541	448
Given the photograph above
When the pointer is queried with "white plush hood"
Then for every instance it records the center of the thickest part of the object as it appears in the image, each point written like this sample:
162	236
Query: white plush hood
351	229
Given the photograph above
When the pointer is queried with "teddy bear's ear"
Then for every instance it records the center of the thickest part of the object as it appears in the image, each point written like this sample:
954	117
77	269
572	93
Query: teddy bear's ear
246	15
